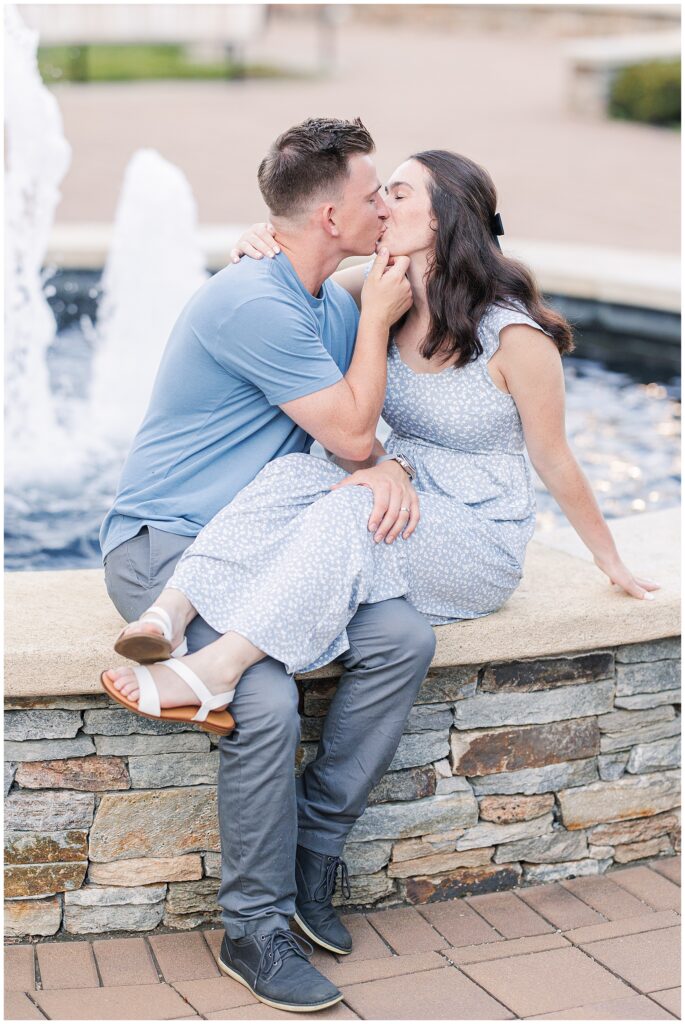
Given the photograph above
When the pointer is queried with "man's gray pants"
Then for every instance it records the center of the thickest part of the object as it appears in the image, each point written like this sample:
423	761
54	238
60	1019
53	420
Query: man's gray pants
264	812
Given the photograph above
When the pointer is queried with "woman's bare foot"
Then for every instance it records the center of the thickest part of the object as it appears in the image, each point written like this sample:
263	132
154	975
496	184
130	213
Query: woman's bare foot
219	665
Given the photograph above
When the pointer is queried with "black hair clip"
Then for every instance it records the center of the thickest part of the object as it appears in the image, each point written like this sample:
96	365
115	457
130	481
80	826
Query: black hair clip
497	227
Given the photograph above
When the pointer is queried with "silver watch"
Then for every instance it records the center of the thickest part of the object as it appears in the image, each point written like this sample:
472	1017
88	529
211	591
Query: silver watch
402	460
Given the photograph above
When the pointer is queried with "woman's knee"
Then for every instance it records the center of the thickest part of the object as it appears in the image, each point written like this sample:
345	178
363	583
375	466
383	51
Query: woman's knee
350	504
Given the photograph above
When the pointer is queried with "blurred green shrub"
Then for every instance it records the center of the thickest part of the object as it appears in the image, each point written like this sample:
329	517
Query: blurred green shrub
648	92
124	63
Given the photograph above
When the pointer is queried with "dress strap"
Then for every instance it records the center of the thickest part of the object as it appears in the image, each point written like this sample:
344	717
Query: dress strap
495	319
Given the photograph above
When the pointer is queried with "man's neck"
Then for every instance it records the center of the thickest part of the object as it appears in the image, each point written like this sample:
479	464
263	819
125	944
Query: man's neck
312	262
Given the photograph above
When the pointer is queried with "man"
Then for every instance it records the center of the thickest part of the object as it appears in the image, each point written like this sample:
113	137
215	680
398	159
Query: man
262	360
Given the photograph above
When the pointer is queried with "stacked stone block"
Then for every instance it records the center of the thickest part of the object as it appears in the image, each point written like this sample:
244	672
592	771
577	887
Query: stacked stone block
506	775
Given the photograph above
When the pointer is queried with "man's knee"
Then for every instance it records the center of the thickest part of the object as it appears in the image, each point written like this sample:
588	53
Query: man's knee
281	717
391	633
408	630
412	632
267	703
425	640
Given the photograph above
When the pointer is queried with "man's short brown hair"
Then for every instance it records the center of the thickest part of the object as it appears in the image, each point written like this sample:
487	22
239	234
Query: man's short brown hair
309	159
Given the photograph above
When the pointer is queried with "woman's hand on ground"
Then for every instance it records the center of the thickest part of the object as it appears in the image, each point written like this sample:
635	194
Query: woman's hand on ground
619	574
392	492
259	240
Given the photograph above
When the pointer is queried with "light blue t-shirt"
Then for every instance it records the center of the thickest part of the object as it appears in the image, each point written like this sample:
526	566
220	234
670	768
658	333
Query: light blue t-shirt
251	338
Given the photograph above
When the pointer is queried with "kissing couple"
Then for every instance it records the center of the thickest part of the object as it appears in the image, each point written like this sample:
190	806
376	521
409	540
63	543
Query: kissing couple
238	558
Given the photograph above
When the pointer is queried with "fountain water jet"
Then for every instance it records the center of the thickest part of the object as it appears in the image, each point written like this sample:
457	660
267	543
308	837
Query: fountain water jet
38	157
64	448
155	264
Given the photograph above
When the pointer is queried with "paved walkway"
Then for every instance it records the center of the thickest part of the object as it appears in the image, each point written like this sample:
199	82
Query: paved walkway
499	97
596	948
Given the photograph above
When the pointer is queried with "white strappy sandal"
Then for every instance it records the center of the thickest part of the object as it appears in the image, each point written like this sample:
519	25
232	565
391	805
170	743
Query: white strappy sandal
148	647
148	704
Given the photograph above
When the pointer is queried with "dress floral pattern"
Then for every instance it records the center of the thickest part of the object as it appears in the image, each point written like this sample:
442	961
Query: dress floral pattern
288	561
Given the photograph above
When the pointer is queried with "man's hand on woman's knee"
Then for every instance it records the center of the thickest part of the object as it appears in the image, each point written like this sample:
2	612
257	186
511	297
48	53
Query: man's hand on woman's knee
395	502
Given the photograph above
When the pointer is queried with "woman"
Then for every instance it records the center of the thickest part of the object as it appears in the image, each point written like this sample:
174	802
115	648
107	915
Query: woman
474	376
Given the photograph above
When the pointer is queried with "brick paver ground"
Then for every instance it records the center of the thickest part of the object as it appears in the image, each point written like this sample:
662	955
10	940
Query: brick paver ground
596	948
500	97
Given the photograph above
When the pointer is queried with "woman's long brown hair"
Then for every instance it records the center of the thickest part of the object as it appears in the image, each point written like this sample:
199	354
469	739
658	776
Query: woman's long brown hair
468	272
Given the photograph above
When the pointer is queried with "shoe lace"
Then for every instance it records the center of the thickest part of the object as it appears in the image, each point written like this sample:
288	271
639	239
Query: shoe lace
281	943
330	880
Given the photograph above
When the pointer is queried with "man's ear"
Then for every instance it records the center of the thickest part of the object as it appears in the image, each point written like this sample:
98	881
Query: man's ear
329	220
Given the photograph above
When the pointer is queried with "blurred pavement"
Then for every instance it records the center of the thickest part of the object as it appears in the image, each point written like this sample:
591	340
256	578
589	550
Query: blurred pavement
498	98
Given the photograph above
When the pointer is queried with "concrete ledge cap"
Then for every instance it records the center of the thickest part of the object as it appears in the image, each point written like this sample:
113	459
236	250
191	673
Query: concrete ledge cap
60	626
631	277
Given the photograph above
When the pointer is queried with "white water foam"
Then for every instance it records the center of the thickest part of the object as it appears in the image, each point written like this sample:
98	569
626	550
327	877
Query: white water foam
56	445
38	157
65	446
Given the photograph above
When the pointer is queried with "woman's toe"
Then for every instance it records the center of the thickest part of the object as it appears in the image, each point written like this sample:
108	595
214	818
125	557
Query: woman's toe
122	677
141	626
150	627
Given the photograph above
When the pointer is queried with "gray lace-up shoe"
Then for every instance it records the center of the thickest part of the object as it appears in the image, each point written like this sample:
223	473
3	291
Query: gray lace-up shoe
316	875
275	967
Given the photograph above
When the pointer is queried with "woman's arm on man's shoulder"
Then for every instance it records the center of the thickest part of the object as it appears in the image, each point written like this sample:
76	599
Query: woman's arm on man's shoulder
258	241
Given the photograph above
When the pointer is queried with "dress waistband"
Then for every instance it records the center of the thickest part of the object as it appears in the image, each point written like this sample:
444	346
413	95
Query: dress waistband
450	449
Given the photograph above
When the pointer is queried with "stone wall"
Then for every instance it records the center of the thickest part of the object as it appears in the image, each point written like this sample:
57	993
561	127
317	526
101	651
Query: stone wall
507	774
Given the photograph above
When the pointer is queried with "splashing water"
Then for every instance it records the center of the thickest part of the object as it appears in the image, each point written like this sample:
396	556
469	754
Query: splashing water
38	157
64	449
